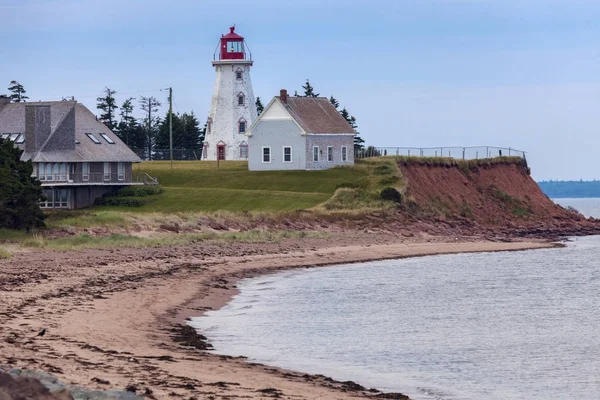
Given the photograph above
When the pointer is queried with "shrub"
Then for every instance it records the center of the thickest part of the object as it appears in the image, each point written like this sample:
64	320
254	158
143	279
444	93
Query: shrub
136	191
4	253
391	194
383	170
389	180
120	201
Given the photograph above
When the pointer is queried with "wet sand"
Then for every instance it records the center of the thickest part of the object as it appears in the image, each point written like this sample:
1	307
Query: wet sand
112	314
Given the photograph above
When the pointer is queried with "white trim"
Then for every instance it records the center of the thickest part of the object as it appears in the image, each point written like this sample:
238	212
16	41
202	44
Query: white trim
342	153
318	154
330	134
262	154
107	171
329	147
257	120
291	156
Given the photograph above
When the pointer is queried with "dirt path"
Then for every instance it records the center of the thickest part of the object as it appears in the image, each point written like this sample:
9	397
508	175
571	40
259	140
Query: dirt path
111	314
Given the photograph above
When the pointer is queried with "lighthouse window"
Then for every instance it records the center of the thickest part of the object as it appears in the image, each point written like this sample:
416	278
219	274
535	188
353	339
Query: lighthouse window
242	127
240	99
236	47
238	74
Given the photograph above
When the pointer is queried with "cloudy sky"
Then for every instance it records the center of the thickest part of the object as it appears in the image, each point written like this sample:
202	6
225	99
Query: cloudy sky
514	73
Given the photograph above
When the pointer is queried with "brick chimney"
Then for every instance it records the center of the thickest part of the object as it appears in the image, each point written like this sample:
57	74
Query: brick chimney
4	99
37	127
283	96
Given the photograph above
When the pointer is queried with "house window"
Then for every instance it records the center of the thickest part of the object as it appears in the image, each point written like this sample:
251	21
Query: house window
42	171
49	195
329	154
20	139
242	126
287	154
108	139
344	154
48	171
241	99
121	171
316	153
85	171
56	171
266	154
107	171
93	138
238	74
63	172
243	150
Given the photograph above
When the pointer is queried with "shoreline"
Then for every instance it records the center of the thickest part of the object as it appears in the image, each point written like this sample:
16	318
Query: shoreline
116	318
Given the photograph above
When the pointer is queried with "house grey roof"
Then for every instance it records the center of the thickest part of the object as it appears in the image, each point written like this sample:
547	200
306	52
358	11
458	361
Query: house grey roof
316	115
69	122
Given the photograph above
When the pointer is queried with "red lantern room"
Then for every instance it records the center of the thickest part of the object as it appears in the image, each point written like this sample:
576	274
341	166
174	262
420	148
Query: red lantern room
232	46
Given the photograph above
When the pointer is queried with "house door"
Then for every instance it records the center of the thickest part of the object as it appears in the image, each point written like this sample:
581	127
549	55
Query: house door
221	152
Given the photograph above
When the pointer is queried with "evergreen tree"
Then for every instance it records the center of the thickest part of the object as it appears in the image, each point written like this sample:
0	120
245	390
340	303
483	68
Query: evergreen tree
259	106
150	122
17	92
128	130
334	102
187	137
20	193
358	141
108	105
309	90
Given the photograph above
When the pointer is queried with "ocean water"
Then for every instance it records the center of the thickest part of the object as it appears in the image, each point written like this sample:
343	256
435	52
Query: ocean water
589	207
519	325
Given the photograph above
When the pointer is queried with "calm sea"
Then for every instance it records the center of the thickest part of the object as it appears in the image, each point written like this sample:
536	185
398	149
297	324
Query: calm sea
522	325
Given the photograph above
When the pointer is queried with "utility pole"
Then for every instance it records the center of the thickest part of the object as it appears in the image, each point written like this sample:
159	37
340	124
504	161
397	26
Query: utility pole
171	125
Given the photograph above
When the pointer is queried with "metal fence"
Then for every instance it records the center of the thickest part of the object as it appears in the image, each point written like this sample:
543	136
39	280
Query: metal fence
165	154
464	153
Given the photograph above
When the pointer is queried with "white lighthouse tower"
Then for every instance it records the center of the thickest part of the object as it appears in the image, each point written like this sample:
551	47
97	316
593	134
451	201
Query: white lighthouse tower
233	107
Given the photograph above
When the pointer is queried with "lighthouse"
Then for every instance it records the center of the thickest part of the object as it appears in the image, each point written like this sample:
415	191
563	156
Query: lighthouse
233	107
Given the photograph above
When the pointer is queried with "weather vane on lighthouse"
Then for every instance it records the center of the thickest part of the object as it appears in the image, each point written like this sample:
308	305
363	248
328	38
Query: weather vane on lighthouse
233	107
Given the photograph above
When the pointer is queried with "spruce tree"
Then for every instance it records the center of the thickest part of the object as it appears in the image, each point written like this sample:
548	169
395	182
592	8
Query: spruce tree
17	92
150	106
259	106
309	90
358	141
128	130
108	105
334	102
20	193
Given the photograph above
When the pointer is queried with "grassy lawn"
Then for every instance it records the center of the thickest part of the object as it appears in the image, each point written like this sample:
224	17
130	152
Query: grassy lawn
196	186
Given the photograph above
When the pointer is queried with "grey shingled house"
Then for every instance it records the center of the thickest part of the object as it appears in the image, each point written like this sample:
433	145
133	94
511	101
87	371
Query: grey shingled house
76	157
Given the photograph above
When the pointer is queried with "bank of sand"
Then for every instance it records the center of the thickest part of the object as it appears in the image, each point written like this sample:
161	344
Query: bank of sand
110	313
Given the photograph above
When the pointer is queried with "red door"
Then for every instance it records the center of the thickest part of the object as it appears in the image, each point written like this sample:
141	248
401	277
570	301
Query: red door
221	152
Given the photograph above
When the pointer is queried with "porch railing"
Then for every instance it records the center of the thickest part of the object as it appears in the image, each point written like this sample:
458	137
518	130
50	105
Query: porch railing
464	153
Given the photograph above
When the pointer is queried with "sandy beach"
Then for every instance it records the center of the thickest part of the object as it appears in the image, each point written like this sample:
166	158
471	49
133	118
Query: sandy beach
111	315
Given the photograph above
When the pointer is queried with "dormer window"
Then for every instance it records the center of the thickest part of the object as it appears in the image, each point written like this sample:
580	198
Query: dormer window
241	99
238	74
93	138
20	139
108	139
242	126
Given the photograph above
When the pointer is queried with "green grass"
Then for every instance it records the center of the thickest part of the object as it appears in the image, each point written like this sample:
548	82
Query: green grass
4	254
9	235
201	186
85	240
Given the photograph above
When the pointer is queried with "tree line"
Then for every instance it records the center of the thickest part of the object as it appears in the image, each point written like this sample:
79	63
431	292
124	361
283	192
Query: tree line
149	136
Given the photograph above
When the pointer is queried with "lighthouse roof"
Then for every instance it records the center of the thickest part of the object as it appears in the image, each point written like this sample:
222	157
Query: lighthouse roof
232	34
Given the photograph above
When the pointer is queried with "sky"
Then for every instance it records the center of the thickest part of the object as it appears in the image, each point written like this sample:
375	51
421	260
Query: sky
415	73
